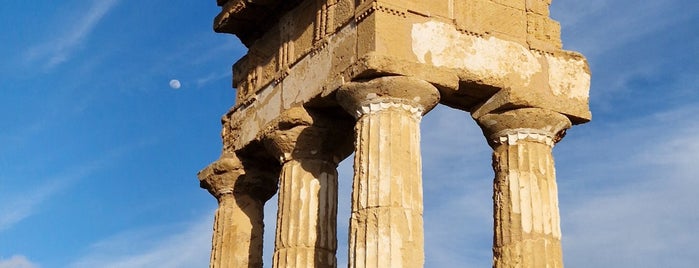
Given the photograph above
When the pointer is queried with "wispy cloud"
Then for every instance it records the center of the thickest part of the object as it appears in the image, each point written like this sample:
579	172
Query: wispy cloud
601	26
17	261
641	210
632	204
16	207
161	246
626	191
632	47
58	50
212	77
20	207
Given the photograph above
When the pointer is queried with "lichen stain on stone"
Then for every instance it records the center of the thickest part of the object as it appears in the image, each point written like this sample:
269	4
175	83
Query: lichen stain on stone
441	45
567	77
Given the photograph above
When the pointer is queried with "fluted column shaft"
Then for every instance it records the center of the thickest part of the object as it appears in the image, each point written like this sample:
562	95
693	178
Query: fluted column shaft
527	221
307	216
306	234
238	223
386	226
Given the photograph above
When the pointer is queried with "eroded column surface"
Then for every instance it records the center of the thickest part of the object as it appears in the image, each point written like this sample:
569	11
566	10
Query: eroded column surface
238	223
386	226
309	148
527	221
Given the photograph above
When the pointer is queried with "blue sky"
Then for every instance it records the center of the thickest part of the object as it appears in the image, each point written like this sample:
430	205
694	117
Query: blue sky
98	153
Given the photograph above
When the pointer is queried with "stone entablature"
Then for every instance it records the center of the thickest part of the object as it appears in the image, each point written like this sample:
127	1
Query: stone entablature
495	52
315	68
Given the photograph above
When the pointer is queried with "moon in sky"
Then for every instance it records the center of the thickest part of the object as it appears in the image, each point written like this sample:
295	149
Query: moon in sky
175	84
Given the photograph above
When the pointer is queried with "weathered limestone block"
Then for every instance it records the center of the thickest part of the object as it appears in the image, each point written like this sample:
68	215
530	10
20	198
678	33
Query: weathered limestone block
439	9
343	13
543	33
540	7
482	17
386	226
249	19
522	76
309	146
527	221
518	4
238	225
312	79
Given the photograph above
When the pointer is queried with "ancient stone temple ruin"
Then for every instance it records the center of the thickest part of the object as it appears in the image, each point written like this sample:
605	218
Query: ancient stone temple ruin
325	78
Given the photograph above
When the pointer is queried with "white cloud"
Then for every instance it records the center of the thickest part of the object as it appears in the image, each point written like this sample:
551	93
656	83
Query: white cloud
213	77
17	261
640	210
627	191
16	207
160	246
632	46
600	26
58	50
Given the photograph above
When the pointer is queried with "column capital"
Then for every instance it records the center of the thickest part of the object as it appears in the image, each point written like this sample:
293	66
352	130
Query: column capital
364	97
532	124
305	134
229	176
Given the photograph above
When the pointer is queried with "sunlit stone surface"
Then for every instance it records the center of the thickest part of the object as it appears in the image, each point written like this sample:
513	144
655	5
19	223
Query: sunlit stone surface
315	69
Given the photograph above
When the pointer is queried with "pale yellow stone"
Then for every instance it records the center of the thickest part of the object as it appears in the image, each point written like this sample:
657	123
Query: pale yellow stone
498	53
309	146
312	65
527	221
307	216
386	226
238	225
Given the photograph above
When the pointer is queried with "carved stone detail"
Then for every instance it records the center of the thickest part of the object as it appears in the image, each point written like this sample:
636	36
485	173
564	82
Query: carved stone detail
238	223
387	63
525	198
386	226
309	149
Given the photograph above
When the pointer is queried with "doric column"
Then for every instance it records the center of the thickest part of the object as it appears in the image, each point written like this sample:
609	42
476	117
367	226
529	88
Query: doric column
386	227
309	147
527	222
238	225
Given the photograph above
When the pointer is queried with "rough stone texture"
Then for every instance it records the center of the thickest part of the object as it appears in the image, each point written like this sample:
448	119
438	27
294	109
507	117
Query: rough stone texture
238	223
311	63
307	216
499	52
525	198
309	148
386	222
